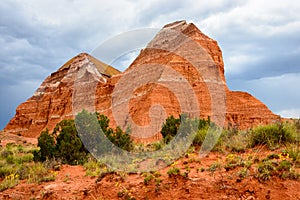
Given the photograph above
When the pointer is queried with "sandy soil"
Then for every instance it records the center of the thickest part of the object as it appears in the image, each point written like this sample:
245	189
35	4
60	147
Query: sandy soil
72	183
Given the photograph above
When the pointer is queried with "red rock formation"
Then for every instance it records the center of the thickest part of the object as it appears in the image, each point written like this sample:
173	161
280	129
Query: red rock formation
52	101
181	70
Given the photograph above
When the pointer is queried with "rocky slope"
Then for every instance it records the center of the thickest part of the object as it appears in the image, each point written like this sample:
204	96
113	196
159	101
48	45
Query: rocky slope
52	101
180	70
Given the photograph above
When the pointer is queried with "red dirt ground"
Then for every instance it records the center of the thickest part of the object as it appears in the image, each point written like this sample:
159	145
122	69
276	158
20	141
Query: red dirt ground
72	183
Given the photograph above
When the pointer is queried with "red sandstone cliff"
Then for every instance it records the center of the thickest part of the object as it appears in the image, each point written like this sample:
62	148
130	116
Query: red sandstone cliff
181	70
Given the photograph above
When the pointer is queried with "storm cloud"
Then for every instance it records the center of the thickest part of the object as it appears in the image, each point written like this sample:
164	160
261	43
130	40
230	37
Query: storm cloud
259	39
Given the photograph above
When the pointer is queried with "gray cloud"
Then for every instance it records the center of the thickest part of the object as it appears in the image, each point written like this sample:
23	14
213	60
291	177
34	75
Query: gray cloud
260	41
280	93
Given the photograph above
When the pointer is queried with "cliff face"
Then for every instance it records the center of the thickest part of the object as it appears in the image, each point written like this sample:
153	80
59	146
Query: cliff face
52	101
180	70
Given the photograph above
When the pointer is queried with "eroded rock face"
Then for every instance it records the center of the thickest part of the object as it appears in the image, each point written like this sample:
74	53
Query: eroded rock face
180	71
52	101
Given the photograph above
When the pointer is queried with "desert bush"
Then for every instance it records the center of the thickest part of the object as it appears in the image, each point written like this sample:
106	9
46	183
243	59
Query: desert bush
213	137
294	153
68	144
47	150
266	170
94	168
37	173
272	135
199	137
233	161
170	128
148	178
187	125
282	167
174	171
5	153
89	123
64	143
19	165
9	182
213	167
243	173
236	141
121	139
6	170
118	137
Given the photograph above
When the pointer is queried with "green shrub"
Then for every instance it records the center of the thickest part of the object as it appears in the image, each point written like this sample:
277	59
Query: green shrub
237	141
23	158
199	137
187	126
5	153
120	139
7	170
272	135
170	128
243	173
233	161
148	178
117	136
213	139
294	153
266	170
68	144
284	165
47	150
94	168
9	182
213	167
18	166
37	173
174	171
64	143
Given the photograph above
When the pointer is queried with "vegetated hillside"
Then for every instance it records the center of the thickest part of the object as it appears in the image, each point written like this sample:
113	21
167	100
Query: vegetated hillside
261	163
181	69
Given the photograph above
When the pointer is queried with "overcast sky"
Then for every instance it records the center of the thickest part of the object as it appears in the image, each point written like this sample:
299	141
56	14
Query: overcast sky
260	41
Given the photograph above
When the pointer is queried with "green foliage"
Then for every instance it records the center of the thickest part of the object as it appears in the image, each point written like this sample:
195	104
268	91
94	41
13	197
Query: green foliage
120	139
9	182
280	168
103	121
64	143
200	137
94	168
294	153
213	167
68	144
186	125
174	171
214	139
170	128
96	133
266	170
235	140
272	135
148	178
16	164
243	173
233	161
297	125
46	143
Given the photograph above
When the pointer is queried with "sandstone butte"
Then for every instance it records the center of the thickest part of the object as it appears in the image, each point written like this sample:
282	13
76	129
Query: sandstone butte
179	52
